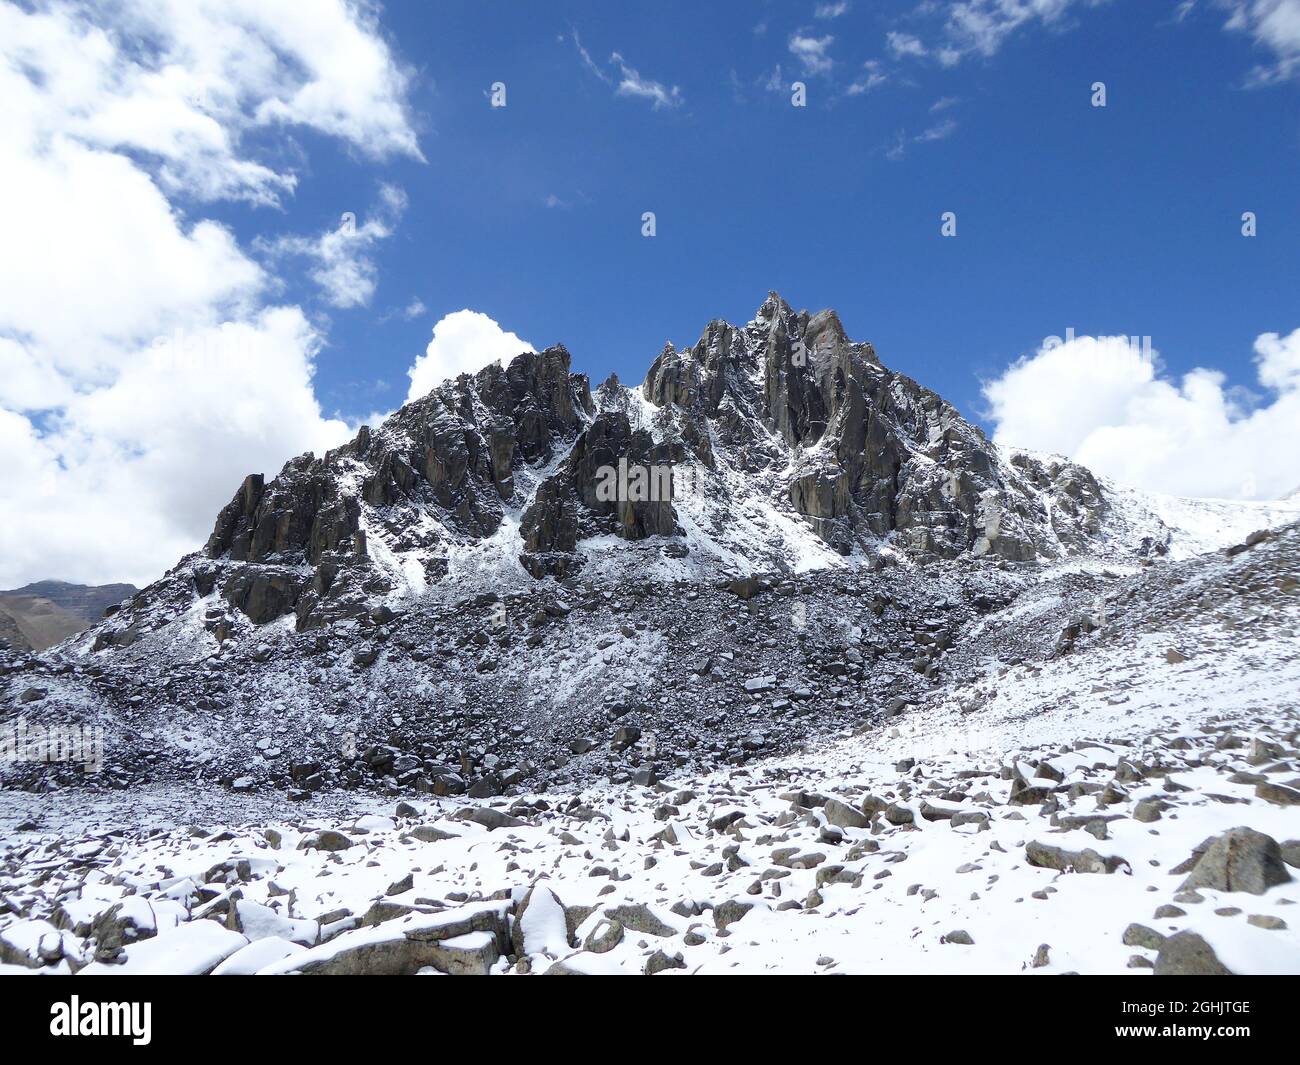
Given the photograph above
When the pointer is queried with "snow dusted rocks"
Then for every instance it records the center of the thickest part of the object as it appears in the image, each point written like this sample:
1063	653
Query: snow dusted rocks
460	942
194	948
893	851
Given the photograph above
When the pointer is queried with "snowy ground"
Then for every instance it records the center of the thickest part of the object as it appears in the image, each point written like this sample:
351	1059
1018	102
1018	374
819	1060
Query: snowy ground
865	855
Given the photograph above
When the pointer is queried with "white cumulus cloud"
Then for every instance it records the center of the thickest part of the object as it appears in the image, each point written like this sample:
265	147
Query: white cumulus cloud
463	342
145	367
1105	402
905	44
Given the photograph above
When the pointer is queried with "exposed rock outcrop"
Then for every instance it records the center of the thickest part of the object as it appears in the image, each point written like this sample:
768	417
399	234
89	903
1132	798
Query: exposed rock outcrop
755	437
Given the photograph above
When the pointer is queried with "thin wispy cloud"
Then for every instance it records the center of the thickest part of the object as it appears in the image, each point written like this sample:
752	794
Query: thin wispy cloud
590	63
775	81
871	77
830	11
982	27
628	81
938	132
342	264
905	44
811	52
1274	25
737	89
631	83
979	27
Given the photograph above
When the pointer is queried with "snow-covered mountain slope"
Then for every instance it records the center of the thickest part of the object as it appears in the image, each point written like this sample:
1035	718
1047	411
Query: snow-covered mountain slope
1126	805
455	601
1192	526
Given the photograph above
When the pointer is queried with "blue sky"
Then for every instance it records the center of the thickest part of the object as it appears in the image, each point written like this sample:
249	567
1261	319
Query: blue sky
1117	220
181	302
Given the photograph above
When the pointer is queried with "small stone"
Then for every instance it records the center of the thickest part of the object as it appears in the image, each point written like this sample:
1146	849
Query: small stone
1148	810
1267	920
659	961
1139	935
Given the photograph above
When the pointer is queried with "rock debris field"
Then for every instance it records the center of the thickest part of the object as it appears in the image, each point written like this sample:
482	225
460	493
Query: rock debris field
1167	840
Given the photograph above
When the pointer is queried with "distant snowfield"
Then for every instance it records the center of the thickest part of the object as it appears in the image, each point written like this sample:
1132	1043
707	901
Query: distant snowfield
1200	525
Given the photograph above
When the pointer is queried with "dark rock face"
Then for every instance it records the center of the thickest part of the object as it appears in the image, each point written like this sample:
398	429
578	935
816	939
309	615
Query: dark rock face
873	453
615	480
785	417
451	455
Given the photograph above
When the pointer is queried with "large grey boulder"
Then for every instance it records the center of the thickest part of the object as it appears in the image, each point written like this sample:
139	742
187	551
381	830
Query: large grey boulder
1239	860
841	815
1085	861
466	941
540	925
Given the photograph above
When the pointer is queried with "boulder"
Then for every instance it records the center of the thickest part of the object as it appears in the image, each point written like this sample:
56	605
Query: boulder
1241	859
1045	856
1187	954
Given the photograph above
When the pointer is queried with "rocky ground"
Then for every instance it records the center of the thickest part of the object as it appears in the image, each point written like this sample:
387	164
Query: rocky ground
1124	798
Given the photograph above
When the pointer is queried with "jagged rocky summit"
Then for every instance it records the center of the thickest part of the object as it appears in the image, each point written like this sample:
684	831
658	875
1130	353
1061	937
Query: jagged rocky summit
797	444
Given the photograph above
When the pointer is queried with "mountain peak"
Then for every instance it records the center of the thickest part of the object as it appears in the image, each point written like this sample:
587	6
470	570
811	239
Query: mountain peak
786	444
772	307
